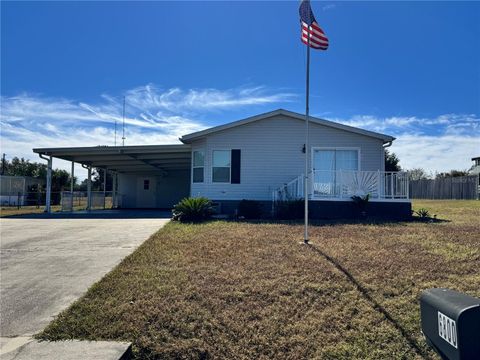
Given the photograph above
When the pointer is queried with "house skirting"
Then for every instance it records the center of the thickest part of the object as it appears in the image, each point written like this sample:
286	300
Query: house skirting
329	209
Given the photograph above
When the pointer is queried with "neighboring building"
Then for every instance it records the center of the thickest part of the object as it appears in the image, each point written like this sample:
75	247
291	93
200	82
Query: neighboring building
259	158
14	189
475	169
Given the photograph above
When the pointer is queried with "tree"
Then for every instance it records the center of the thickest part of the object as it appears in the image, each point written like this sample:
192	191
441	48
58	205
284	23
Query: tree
22	167
98	175
392	162
97	181
451	173
60	180
417	174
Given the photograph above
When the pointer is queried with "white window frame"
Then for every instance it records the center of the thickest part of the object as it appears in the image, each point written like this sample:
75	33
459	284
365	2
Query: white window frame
230	167
335	148
196	167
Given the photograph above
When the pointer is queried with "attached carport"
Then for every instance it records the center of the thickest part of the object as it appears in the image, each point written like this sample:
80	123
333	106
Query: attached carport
148	162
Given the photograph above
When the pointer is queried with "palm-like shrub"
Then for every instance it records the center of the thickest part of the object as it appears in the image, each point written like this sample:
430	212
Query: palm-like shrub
423	213
361	202
193	209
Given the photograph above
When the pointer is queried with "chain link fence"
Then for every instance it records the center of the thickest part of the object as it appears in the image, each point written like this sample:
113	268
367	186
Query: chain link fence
78	200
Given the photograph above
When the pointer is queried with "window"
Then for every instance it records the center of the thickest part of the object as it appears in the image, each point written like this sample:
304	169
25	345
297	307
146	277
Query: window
198	166
221	166
326	163
346	160
146	184
335	159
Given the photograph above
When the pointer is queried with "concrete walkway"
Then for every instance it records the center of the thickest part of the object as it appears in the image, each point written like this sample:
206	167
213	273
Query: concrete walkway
48	262
70	350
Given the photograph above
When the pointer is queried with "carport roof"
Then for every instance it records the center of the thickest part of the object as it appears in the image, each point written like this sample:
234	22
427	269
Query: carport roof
126	159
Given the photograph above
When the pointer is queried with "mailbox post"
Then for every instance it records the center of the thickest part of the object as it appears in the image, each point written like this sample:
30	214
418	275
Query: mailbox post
451	323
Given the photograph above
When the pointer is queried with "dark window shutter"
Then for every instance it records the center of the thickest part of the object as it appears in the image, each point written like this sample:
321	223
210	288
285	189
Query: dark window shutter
236	160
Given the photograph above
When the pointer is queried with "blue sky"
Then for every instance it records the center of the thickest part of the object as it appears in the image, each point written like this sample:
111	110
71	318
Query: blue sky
408	69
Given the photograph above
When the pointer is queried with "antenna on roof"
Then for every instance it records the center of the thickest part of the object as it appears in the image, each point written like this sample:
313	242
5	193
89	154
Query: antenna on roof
123	127
115	136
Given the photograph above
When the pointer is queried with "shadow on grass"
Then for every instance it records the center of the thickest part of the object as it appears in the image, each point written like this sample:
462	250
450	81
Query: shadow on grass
379	308
330	222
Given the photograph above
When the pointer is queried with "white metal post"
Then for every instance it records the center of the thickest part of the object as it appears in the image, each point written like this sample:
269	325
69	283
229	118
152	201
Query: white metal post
379	186
407	180
391	183
307	95
89	188
49	186
114	190
72	179
104	187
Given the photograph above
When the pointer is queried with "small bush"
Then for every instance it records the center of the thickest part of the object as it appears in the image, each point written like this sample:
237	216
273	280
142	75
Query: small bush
289	209
250	209
361	203
192	209
423	213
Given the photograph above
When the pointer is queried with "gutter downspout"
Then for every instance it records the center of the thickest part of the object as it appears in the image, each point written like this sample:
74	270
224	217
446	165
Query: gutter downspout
385	145
49	183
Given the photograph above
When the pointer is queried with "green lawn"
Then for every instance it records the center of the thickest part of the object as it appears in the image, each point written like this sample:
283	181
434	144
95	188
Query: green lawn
251	290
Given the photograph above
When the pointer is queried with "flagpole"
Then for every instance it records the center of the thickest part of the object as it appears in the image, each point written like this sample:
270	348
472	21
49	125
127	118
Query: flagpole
305	188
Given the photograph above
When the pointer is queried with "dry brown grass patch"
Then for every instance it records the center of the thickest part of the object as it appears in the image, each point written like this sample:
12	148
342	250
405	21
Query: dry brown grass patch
245	290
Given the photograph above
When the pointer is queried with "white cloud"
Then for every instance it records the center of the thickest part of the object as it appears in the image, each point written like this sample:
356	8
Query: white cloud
437	153
150	98
328	7
153	116
161	116
441	143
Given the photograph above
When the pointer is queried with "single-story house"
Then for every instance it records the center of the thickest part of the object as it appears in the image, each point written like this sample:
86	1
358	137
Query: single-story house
259	158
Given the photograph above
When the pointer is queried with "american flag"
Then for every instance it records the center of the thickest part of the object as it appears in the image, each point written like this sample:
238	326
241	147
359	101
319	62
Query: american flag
310	28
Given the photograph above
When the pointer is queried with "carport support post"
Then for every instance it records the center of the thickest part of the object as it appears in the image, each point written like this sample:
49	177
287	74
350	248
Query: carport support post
114	190
89	188
104	186
72	179
49	186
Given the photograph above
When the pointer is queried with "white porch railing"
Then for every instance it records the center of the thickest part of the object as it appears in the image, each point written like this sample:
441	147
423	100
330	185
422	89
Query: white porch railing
343	184
290	191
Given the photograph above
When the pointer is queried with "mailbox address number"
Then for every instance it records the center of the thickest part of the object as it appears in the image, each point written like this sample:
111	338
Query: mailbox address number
447	329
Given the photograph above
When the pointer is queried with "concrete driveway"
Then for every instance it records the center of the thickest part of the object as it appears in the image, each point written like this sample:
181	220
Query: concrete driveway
48	262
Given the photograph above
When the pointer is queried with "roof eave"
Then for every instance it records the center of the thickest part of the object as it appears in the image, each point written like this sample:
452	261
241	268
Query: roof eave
189	138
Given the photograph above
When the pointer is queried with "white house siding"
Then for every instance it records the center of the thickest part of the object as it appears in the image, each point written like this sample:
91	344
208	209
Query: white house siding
271	155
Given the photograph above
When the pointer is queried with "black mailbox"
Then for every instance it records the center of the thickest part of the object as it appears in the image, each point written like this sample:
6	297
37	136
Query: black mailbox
451	323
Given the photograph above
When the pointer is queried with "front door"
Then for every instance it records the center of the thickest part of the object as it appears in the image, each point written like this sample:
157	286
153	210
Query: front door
146	192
